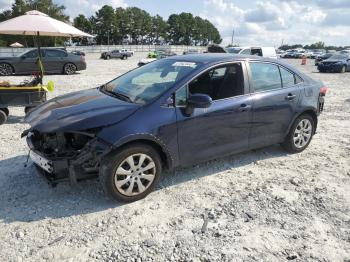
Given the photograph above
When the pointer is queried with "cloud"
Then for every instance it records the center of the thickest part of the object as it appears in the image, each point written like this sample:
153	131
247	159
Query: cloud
87	7
5	4
268	22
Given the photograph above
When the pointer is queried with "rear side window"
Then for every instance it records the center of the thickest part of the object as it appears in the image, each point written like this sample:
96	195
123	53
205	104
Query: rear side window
288	78
246	52
55	53
265	76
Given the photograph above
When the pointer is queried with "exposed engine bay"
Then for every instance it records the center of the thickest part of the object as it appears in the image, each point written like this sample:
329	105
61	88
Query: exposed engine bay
71	156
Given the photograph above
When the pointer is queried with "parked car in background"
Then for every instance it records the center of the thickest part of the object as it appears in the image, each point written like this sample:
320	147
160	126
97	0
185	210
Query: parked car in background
55	61
317	53
155	55
191	51
337	63
320	58
173	112
115	54
127	51
268	52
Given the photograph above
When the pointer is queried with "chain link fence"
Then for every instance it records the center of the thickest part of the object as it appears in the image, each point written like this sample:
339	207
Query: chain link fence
179	49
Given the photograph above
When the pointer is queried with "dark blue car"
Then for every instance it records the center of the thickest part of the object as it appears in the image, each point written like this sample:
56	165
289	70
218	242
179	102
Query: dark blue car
338	63
173	112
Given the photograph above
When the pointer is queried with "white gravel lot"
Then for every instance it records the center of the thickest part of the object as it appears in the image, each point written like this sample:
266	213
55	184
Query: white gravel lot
263	205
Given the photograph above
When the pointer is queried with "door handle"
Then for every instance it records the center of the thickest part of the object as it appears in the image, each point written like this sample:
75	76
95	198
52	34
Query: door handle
244	107
290	97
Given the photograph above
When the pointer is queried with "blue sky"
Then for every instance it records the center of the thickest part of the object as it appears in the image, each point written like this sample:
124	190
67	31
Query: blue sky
256	22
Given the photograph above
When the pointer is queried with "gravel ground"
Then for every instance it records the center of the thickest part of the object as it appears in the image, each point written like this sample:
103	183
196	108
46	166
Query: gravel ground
263	205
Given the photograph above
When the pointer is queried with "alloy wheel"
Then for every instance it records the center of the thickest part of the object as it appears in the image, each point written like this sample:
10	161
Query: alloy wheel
302	133
5	70
135	174
69	69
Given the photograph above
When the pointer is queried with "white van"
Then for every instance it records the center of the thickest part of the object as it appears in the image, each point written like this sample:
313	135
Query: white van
269	52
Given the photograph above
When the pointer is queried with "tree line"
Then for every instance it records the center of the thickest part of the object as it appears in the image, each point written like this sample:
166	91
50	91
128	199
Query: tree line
130	25
317	45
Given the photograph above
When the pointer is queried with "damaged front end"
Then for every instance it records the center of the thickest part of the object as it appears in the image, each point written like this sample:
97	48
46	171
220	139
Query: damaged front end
66	156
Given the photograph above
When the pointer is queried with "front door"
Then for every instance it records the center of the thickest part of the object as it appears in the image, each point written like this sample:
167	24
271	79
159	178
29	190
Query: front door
221	129
275	95
28	62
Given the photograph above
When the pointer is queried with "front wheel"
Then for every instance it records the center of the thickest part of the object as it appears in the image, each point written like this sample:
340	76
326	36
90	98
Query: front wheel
300	134
69	69
5	69
132	173
3	117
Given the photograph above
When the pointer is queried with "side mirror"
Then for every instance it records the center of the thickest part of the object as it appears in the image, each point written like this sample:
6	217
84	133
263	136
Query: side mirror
199	101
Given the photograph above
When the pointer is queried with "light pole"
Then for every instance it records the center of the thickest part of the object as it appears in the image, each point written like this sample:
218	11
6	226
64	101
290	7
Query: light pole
233	33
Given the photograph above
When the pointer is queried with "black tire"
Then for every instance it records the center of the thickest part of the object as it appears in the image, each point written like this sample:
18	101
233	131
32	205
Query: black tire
108	57
6	110
27	109
111	163
3	117
124	57
69	69
343	69
289	144
6	69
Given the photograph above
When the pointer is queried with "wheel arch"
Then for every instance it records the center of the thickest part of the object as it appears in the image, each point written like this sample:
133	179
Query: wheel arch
157	144
308	111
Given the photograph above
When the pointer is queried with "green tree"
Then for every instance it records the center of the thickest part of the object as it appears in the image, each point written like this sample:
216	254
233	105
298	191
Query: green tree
19	7
84	24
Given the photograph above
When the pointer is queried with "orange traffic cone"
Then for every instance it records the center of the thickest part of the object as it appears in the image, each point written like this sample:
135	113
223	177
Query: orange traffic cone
303	60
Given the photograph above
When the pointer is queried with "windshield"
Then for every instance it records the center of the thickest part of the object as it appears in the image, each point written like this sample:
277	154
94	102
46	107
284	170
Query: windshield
233	50
149	81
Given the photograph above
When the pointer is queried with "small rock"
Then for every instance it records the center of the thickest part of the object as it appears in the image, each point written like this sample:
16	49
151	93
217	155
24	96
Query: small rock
99	224
295	181
250	172
20	234
155	206
211	214
292	257
248	216
205	225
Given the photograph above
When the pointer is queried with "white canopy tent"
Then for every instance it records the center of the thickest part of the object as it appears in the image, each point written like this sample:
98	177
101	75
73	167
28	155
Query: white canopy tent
35	23
16	44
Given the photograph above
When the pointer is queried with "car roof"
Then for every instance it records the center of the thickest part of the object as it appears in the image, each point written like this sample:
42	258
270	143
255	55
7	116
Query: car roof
218	57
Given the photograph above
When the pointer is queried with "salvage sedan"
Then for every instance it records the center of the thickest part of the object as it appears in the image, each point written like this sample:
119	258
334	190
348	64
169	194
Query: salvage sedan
173	112
338	63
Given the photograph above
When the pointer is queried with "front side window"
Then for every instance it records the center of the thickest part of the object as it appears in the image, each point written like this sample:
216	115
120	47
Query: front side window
149	81
34	54
220	83
265	76
55	53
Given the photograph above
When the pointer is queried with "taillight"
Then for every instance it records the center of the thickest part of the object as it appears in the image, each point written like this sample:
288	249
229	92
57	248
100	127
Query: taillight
323	91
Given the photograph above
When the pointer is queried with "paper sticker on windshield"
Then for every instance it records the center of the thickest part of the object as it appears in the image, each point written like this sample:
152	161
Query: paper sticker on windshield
185	64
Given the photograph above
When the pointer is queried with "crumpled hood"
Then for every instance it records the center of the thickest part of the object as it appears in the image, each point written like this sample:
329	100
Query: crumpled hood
79	111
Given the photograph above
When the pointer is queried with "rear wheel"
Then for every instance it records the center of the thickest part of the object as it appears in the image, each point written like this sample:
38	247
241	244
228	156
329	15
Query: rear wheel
6	69
124	57
3	116
69	69
108	57
132	173
6	110
300	134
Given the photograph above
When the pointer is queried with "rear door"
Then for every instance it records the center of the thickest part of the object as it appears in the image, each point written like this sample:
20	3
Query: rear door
275	95
54	61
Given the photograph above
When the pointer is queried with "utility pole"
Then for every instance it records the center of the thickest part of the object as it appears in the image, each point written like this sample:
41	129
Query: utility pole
233	33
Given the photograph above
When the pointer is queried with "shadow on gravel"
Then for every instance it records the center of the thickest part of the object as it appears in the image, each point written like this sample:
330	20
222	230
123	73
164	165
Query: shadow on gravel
14	119
25	196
